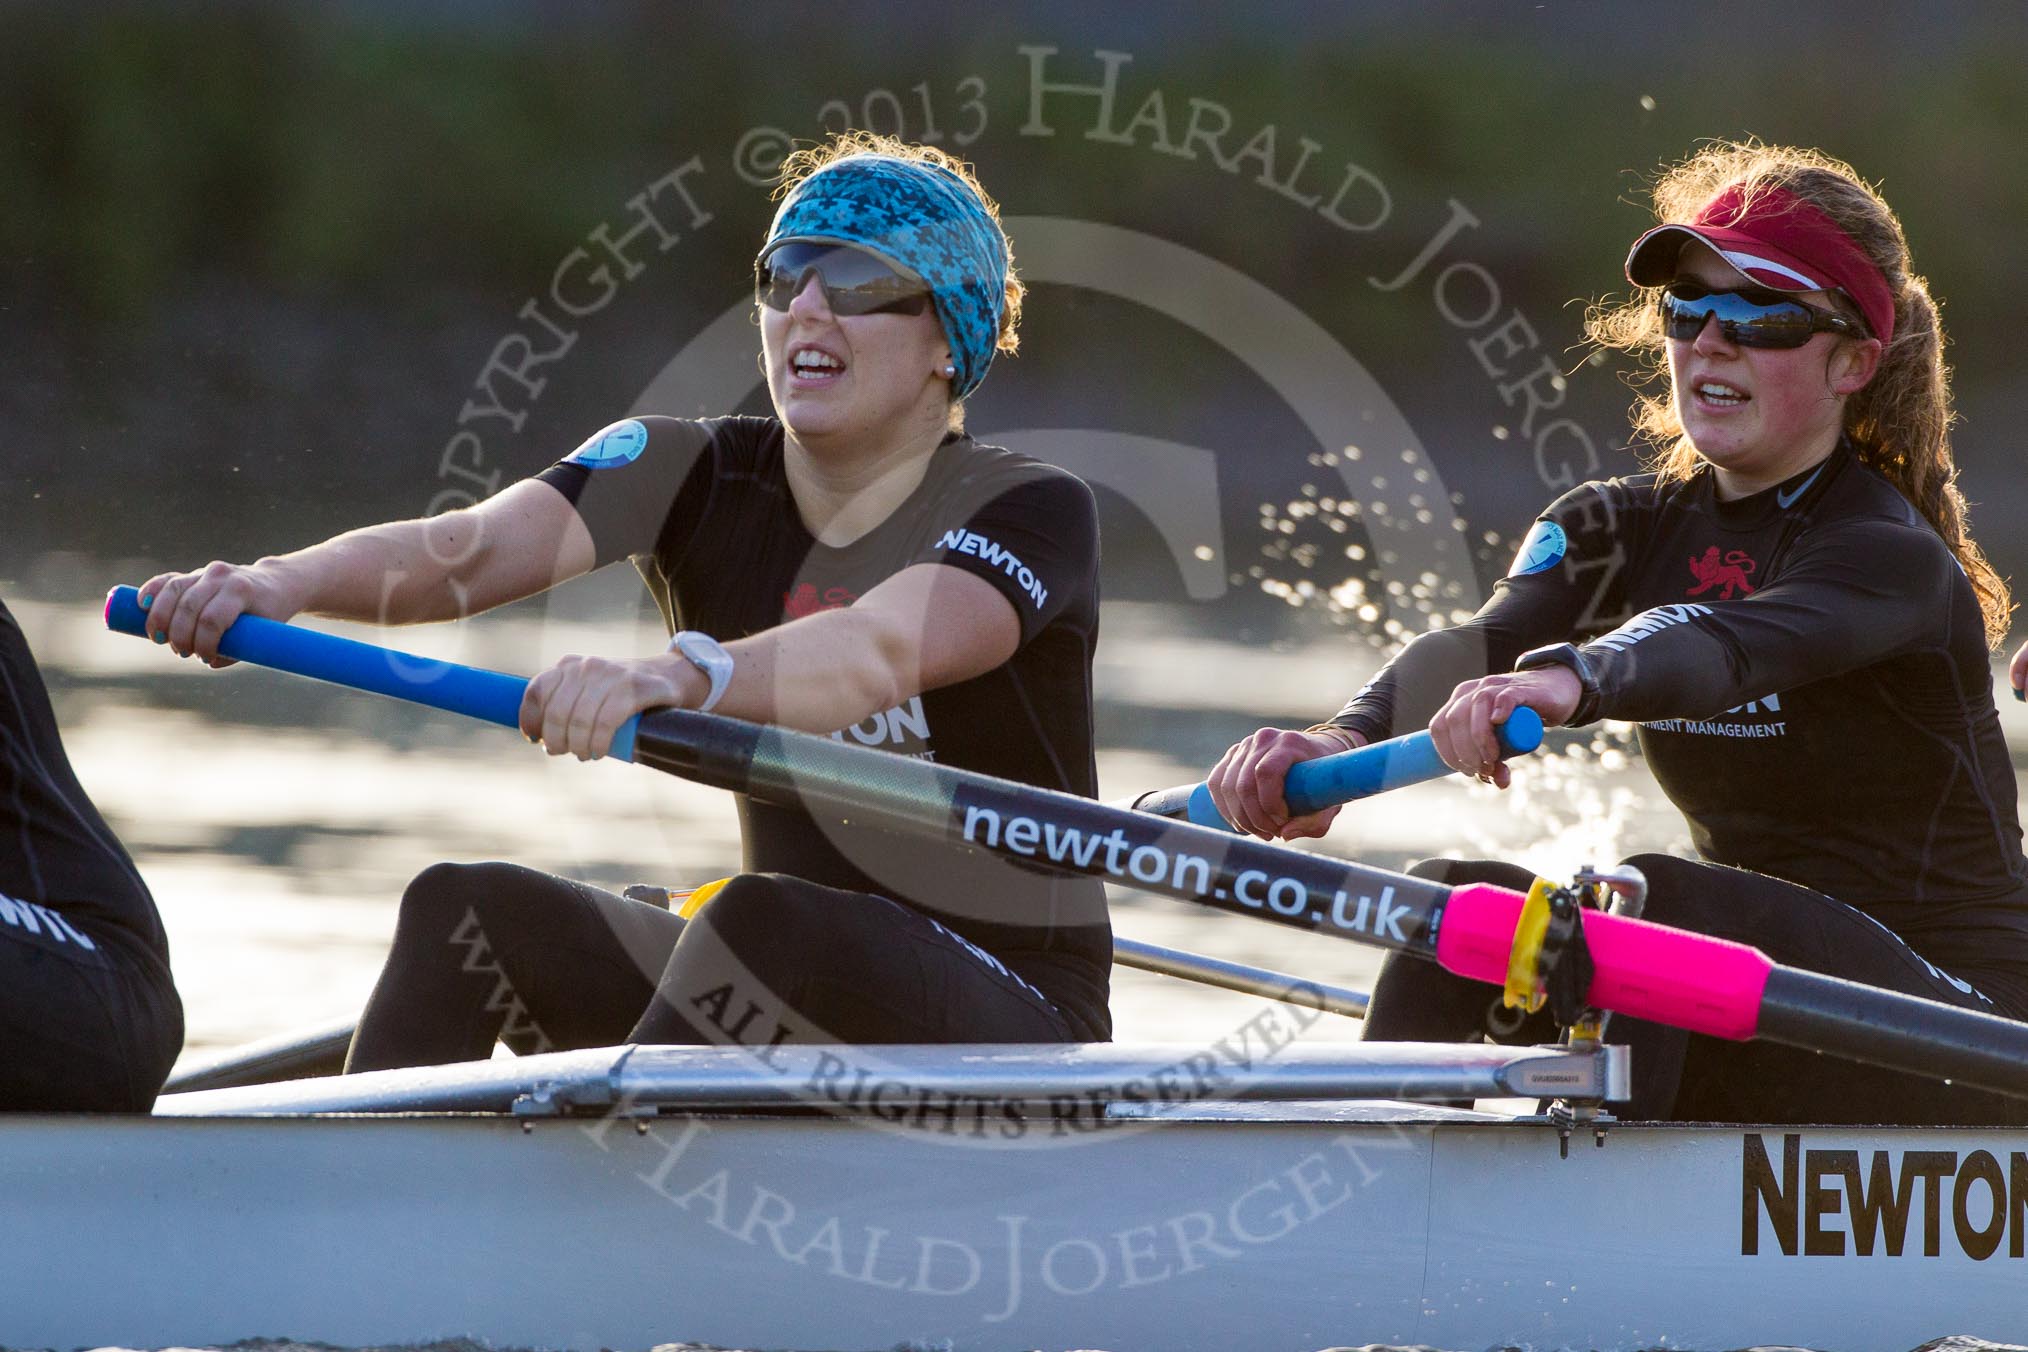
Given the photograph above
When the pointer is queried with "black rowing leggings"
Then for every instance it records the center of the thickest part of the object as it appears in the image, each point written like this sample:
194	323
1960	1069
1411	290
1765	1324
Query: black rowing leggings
89	1021
495	951
1691	1078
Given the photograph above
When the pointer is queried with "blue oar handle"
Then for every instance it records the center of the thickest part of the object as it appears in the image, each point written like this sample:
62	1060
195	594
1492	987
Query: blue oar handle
1364	771
475	692
1314	785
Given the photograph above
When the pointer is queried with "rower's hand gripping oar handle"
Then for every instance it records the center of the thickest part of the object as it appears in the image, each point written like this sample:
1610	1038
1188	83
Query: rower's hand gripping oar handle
491	696
1314	785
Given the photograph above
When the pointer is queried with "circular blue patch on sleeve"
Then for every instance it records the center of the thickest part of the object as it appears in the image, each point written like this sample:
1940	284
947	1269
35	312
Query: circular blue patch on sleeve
620	444
1541	551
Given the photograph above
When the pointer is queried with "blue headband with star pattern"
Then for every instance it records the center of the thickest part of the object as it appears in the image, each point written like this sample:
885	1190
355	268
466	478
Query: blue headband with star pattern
929	221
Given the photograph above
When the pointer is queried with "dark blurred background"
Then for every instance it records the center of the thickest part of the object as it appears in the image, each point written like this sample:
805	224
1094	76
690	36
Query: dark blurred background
254	258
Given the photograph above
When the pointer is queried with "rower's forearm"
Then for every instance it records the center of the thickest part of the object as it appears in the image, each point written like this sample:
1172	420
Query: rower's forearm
818	674
1410	689
401	572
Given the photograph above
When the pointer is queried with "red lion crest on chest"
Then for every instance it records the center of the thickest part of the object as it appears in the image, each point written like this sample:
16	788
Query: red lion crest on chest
1729	574
805	600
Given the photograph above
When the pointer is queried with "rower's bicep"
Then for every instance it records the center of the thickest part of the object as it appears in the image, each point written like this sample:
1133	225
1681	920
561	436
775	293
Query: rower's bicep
524	539
940	625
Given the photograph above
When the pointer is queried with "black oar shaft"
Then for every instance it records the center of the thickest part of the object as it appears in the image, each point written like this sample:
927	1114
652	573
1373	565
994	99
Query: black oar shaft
1267	882
1049	831
1900	1032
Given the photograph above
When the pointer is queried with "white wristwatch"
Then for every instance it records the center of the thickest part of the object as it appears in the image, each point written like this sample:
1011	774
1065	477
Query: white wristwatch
709	656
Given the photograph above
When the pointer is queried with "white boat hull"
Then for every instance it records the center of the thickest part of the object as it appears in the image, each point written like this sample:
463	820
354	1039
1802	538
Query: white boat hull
1269	1228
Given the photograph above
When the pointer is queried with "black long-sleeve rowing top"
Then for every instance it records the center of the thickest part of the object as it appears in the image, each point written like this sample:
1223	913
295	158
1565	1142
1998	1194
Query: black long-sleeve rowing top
1809	670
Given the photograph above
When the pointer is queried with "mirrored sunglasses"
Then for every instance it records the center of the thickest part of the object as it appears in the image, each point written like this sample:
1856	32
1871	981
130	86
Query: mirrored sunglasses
855	282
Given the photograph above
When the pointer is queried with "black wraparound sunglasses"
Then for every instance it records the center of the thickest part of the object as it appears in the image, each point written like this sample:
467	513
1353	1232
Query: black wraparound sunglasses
1750	316
855	282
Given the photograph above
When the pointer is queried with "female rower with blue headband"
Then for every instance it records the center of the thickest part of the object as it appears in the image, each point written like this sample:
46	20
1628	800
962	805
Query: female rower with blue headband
853	565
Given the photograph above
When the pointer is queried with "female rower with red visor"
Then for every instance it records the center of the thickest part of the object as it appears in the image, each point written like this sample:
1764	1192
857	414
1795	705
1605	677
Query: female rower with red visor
852	565
1792	609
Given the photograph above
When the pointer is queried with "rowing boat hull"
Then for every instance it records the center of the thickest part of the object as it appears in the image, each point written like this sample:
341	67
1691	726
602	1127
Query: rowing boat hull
1268	1227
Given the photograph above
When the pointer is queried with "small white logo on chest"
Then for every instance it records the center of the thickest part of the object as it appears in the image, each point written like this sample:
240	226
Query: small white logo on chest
904	728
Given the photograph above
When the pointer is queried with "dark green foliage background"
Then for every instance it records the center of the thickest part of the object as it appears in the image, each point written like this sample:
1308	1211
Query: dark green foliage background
253	256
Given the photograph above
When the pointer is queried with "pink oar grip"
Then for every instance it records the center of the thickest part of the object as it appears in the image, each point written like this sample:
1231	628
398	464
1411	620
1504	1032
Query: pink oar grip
1644	970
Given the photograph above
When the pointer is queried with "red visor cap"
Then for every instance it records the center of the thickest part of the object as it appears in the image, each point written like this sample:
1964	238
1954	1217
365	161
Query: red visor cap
1778	241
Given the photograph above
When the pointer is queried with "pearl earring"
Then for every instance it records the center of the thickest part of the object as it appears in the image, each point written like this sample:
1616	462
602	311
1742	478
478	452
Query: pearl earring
950	371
